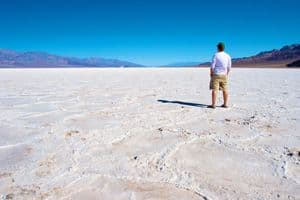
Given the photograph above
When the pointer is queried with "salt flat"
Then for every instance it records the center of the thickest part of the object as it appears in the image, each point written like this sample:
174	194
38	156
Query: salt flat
147	134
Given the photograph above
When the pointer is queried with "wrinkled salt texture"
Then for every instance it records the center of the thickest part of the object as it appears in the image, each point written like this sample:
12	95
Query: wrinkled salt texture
136	134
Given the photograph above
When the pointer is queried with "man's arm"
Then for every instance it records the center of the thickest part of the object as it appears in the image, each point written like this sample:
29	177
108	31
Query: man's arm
211	72
228	70
213	64
229	66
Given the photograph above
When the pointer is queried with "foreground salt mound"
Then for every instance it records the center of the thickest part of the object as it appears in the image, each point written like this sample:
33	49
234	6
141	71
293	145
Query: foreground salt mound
147	134
118	189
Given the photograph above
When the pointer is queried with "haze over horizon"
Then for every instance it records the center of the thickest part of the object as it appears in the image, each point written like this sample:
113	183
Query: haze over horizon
148	32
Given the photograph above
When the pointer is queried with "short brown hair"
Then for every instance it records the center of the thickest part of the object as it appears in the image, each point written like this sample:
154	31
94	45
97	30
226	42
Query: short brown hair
221	46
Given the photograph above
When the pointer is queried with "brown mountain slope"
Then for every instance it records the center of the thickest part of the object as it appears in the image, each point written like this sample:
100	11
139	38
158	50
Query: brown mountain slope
277	58
274	58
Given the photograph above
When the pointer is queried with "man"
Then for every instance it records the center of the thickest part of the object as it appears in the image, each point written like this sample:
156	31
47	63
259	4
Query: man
220	68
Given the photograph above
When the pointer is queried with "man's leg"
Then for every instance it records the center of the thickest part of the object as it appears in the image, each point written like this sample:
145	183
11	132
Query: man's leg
225	97
214	86
213	97
224	88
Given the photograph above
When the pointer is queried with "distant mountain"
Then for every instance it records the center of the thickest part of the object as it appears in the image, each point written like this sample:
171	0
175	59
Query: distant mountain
294	64
286	56
180	64
10	58
274	58
281	57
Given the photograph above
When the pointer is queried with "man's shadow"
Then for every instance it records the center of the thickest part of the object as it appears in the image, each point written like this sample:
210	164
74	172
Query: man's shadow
184	103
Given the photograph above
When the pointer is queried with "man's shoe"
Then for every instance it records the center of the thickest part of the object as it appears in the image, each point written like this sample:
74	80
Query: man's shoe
211	106
224	106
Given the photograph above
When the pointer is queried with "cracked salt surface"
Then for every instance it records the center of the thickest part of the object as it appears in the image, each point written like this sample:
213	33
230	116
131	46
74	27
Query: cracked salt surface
141	134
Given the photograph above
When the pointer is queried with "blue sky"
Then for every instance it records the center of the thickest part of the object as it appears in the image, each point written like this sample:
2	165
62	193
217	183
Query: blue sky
149	32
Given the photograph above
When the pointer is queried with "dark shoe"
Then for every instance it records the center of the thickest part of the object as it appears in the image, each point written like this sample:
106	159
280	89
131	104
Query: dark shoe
224	106
211	106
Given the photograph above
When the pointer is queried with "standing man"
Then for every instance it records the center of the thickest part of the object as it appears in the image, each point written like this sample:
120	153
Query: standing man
220	68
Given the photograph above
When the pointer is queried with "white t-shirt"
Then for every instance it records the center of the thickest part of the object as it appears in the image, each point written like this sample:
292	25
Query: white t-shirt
221	63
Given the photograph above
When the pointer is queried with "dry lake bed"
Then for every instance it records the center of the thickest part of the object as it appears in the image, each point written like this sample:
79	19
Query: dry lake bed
118	134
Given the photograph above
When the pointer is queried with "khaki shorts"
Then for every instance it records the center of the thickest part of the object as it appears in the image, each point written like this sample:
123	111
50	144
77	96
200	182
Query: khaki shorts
218	82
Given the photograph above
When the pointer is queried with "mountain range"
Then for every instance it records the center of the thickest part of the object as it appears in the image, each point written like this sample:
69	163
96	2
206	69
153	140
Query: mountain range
287	56
11	59
276	57
180	64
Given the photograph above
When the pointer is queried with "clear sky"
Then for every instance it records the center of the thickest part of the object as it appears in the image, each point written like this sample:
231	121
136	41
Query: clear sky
149	32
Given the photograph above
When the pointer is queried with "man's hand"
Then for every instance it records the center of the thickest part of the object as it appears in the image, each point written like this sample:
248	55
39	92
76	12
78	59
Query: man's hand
211	72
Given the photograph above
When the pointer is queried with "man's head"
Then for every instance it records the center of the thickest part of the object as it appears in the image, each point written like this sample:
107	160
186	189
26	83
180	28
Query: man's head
221	46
